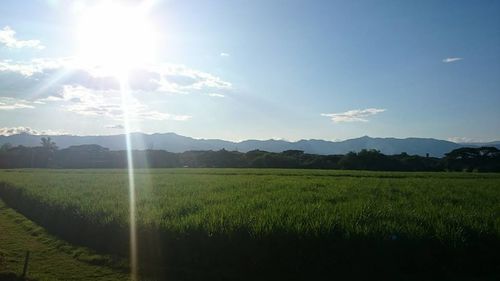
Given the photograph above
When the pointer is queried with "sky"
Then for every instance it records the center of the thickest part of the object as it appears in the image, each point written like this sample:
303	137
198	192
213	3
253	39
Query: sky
262	69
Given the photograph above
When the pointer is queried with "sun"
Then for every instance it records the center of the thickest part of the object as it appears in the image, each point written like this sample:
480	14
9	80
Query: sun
115	37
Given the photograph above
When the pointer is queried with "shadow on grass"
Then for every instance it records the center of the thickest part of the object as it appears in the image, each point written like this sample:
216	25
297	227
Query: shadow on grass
196	255
10	276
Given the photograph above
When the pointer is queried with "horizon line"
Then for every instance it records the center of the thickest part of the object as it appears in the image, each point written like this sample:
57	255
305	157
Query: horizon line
243	140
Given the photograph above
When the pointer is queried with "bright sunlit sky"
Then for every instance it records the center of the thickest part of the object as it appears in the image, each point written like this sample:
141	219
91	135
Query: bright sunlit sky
253	69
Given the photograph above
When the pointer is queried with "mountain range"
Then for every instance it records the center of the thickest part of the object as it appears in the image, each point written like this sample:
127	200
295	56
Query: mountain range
176	143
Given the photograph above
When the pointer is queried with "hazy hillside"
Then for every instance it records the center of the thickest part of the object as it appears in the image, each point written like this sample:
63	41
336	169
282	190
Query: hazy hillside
176	143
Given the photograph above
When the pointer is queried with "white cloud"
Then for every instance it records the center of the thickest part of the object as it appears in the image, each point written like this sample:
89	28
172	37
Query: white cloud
452	59
179	79
215	95
117	126
30	68
224	54
355	115
49	99
463	140
90	91
8	103
106	103
9	131
160	78
8	38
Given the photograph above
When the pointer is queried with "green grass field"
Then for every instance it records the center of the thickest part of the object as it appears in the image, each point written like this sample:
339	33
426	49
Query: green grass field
50	258
222	223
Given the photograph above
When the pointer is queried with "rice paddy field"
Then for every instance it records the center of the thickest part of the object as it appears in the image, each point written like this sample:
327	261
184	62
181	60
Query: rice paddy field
274	224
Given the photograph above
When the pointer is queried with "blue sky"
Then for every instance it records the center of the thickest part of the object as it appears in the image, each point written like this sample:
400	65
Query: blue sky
264	69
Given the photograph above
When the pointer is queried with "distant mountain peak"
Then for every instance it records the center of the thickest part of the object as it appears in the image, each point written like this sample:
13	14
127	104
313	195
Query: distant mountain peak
173	142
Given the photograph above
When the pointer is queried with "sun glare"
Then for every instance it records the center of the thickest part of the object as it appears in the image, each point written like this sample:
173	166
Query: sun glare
115	37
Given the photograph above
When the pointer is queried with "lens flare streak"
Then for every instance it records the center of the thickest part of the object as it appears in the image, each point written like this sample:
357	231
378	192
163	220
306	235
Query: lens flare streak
125	93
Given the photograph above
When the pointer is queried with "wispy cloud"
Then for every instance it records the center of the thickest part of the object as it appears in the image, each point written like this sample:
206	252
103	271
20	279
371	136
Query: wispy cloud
179	79
117	126
355	115
8	103
8	38
9	131
463	140
215	95
224	54
74	87
35	66
160	78
106	103
452	59
49	99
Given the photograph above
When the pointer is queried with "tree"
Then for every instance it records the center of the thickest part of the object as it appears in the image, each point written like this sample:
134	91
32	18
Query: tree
48	149
473	159
48	144
5	147
368	159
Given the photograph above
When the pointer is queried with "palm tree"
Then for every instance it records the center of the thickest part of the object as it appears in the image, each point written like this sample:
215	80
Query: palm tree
48	144
48	147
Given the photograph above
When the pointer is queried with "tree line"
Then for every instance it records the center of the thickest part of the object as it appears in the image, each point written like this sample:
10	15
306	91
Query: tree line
47	155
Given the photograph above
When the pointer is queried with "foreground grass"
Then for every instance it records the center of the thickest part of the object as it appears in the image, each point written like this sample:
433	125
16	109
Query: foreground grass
447	207
231	221
51	258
